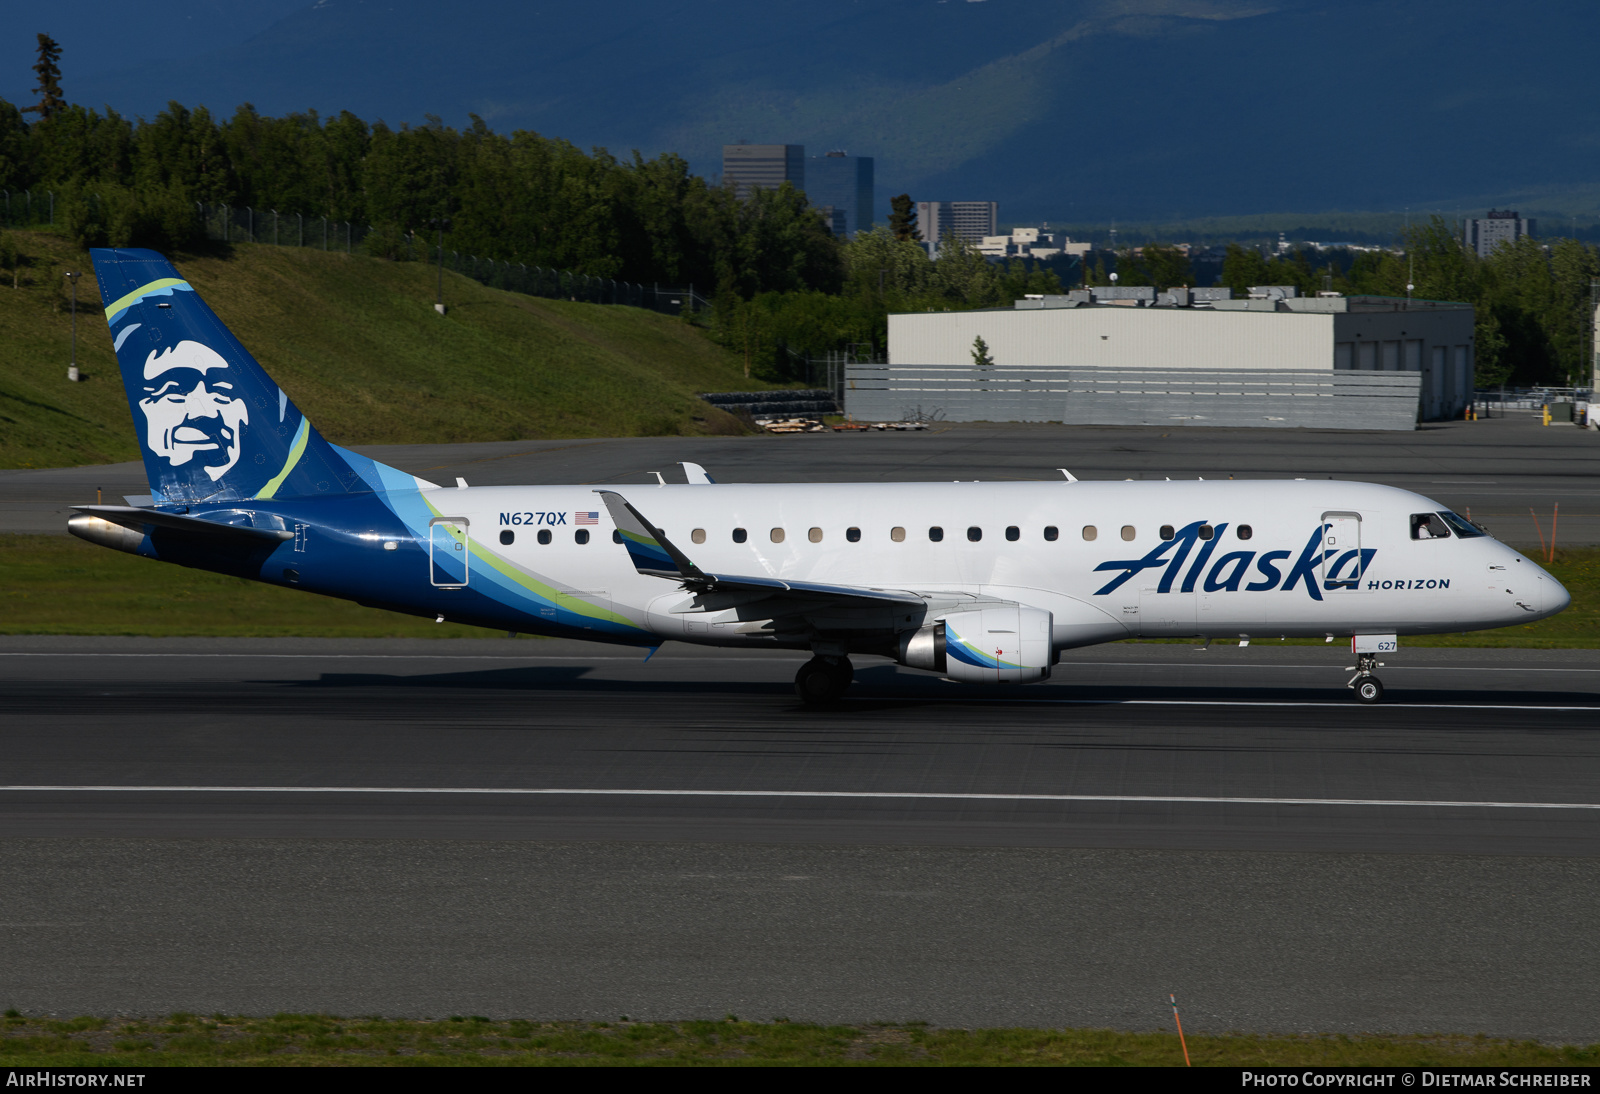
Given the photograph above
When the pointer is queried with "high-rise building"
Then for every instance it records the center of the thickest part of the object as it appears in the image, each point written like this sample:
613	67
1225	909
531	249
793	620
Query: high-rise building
771	165
835	219
966	220
1484	234
844	182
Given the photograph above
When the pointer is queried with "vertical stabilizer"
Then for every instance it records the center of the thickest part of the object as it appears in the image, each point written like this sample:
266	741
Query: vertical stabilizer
212	424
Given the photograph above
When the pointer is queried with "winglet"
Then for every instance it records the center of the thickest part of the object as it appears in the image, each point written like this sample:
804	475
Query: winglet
648	547
697	475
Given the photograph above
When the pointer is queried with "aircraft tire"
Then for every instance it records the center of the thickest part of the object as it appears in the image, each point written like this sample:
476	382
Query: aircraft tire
1369	690
820	684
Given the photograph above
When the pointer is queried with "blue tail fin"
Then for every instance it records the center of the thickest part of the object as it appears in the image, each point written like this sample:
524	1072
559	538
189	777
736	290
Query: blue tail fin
212	424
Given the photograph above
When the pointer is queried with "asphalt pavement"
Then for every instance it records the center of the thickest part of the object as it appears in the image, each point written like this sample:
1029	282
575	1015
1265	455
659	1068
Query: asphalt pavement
556	830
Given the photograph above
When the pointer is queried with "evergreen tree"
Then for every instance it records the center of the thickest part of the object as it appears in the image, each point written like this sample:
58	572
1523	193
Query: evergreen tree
49	76
903	219
980	353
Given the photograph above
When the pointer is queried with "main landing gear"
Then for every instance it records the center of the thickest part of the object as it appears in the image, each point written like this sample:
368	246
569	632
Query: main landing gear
822	680
1368	688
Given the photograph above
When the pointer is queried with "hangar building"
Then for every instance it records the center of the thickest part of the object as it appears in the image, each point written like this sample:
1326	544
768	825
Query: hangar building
1128	356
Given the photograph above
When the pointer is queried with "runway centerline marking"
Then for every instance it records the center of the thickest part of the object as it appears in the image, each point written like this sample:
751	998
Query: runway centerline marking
884	795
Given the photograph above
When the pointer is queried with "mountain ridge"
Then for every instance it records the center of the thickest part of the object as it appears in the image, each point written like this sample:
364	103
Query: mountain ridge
1061	109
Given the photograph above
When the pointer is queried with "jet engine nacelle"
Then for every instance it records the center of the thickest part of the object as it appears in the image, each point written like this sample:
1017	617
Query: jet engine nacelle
1001	645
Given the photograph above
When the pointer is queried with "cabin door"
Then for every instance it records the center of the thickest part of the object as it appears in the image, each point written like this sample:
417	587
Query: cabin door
1341	551
449	551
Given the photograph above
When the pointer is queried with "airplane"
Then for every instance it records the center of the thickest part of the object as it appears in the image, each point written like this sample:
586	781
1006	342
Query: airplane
979	582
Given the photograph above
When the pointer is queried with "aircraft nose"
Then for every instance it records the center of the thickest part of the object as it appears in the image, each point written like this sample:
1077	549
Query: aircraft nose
1556	596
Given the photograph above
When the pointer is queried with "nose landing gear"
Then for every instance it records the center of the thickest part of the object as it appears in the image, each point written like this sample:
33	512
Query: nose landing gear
1368	688
822	680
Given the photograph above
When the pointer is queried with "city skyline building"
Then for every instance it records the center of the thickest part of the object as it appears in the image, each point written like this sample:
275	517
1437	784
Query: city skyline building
1483	234
968	221
748	166
846	183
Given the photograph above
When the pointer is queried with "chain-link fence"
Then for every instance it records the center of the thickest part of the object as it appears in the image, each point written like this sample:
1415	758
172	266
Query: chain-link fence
26	209
229	224
243	224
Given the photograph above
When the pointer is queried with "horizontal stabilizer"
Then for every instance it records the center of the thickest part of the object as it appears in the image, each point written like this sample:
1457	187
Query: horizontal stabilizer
147	520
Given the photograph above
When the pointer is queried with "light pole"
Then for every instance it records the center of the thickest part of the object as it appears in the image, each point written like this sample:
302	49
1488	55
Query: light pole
72	368
440	225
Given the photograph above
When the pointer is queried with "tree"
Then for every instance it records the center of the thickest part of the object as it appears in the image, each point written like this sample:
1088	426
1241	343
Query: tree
903	219
49	74
1242	268
980	353
1168	266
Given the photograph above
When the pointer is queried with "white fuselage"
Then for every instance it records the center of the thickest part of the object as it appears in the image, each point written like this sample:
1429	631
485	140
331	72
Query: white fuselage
1107	573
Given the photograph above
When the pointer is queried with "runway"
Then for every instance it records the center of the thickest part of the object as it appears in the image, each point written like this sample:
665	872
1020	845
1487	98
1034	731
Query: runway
1225	824
1477	751
560	830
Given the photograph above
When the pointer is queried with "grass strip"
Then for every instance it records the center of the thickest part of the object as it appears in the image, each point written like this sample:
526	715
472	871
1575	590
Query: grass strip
356	343
62	585
303	1040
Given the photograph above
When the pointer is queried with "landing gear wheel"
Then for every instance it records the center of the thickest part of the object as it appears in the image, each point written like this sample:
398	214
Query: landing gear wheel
1369	690
820	682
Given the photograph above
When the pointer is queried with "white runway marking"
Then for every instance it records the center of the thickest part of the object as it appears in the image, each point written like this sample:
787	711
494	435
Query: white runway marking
882	795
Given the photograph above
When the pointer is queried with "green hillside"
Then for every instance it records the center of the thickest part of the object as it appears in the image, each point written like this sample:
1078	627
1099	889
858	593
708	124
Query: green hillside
357	345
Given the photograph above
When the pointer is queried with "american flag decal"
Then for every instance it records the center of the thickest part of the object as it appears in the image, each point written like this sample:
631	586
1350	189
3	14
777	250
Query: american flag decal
586	518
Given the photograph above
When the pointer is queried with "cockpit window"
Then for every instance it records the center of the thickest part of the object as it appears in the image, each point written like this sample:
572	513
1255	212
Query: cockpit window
1463	527
1428	526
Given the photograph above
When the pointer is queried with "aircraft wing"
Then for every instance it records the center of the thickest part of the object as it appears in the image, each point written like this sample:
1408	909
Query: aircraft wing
654	554
145	520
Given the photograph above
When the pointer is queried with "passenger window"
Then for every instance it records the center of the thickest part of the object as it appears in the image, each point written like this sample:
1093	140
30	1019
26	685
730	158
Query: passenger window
1428	526
777	535
544	535
616	535
1013	534
1206	531
815	535
698	535
1166	532
581	535
935	534
853	535
974	534
1244	531
1127	533
740	535
508	537
1051	532
897	534
1091	533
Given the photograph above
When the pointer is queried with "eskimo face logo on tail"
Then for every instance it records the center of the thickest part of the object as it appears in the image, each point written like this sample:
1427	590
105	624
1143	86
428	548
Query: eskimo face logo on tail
193	411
